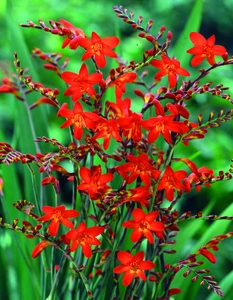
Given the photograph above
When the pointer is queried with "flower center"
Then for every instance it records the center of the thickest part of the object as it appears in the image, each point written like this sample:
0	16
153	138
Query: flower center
134	267
78	120
97	48
143	225
169	68
207	51
82	238
160	124
57	216
170	181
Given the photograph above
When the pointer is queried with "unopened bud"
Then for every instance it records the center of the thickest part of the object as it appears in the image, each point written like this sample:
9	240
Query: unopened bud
169	35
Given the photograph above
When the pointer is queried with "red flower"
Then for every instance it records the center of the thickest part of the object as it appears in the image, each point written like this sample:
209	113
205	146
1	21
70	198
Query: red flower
143	224
171	181
77	117
94	182
163	125
138	194
121	108
39	248
137	166
204	49
203	174
120	82
107	129
174	291
85	237
99	48
52	180
57	215
131	127
10	87
80	83
96	273
212	245
170	67
74	34
209	255
132	265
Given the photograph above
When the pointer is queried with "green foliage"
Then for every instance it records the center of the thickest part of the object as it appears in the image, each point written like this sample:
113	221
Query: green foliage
17	180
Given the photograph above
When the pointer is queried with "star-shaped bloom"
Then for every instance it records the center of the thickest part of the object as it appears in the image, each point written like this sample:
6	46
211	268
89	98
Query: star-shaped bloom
80	83
143	224
78	118
170	181
170	67
99	48
85	237
204	48
57	215
132	266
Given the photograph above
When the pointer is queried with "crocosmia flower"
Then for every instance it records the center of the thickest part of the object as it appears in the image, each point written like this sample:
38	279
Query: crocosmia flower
132	266
94	182
85	237
170	67
74	34
80	83
120	82
78	118
143	224
170	181
39	248
99	48
57	215
204	48
163	125
136	166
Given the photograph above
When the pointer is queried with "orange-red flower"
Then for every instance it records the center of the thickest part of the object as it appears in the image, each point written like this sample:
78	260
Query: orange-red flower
170	181
138	194
132	266
99	48
209	255
121	108
51	180
143	224
203	174
174	291
204	251
10	87
131	127
204	48
39	248
74	35
120	82
94	182
163	125
80	83
107	129
170	67
85	237
136	166
57	215
78	118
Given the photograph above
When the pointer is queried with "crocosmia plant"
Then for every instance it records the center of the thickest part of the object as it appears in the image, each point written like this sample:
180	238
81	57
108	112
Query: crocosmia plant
106	213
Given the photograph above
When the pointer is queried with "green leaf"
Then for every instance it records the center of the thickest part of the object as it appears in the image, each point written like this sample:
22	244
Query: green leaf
183	43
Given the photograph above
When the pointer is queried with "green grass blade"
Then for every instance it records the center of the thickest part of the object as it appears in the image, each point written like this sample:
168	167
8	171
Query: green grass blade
183	43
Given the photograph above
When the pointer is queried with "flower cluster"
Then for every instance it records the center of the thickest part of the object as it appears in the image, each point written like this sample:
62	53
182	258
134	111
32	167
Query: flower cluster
125	175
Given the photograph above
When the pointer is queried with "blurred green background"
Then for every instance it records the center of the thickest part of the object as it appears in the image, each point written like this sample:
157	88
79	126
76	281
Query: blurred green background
19	279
